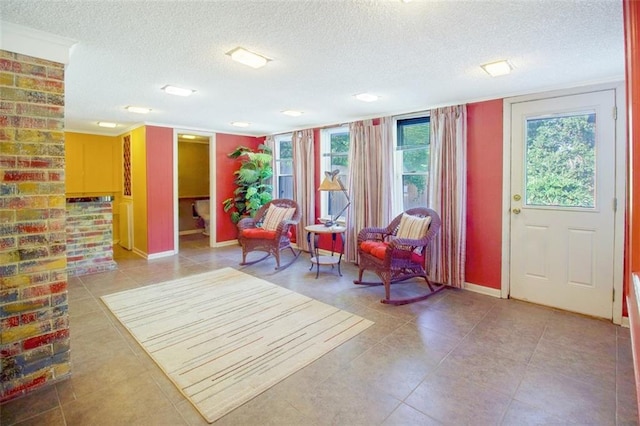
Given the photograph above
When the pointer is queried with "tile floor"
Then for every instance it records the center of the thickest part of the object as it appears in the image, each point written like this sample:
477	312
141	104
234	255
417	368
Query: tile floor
458	358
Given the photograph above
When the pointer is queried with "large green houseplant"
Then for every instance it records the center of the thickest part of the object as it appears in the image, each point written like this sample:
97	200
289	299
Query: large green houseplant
253	181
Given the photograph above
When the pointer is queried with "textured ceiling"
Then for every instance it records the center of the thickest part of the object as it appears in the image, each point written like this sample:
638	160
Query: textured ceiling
414	55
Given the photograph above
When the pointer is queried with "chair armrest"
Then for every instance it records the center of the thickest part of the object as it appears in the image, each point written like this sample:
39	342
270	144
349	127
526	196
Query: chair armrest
372	234
246	223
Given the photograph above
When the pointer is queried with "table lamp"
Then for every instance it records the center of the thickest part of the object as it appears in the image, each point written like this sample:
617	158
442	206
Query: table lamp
332	182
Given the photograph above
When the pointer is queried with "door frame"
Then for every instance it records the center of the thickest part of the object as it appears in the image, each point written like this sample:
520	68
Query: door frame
213	201
620	185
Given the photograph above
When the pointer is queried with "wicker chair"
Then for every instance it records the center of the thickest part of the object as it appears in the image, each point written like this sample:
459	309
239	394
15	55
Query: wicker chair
396	259
252	236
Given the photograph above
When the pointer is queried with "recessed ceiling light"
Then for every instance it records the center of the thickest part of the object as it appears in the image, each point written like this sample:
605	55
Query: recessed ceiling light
495	69
366	97
138	110
106	124
246	57
187	136
178	91
240	124
292	113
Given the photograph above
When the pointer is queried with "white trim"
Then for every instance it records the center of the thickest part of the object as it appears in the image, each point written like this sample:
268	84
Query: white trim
161	254
620	189
139	252
226	243
625	322
39	44
191	231
488	291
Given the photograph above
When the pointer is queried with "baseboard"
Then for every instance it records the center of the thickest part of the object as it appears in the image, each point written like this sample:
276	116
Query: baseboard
625	322
191	231
161	254
226	243
493	292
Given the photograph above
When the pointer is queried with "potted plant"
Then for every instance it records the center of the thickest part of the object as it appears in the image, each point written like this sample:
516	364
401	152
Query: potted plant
253	181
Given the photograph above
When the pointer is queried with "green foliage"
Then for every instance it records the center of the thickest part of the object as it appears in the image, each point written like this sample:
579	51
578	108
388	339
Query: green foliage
253	181
560	161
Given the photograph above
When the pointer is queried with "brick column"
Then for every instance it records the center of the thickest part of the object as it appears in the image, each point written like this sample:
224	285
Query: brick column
34	322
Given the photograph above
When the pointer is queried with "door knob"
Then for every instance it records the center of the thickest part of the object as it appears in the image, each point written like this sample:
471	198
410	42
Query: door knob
516	211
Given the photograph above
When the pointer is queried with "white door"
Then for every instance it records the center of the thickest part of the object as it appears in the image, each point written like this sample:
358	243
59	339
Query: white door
562	202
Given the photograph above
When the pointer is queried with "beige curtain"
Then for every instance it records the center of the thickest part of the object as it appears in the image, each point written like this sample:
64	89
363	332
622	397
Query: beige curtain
370	179
448	192
303	181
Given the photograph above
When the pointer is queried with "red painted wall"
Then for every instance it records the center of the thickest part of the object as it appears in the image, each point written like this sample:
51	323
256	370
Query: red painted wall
159	142
632	229
226	230
484	193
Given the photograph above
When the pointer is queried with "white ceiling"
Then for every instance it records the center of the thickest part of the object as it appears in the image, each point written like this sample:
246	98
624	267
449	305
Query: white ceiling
415	56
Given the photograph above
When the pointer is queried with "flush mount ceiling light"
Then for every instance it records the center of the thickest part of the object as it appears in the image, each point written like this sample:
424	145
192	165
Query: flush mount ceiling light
292	113
495	69
242	55
106	124
138	110
240	123
187	136
366	97
178	91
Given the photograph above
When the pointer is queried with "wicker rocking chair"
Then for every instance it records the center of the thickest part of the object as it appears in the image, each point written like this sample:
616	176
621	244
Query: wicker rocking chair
397	253
269	231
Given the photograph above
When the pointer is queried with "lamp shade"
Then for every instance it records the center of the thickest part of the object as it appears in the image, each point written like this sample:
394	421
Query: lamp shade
331	182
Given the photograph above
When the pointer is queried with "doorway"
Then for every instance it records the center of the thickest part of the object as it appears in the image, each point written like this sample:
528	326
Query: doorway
194	187
564	239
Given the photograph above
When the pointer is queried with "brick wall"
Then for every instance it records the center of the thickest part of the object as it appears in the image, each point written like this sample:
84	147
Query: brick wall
90	237
34	323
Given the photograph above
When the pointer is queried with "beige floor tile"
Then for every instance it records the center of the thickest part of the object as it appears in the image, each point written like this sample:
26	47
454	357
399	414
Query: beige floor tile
455	358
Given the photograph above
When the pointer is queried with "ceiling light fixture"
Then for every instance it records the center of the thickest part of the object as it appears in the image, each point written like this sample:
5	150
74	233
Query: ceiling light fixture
242	55
138	110
240	123
178	91
495	69
366	97
292	113
106	124
187	136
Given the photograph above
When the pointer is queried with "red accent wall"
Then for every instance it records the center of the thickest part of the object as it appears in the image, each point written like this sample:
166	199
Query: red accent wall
632	229
159	142
226	230
484	193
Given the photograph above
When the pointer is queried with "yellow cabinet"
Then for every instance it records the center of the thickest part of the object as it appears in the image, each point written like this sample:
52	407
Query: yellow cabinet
92	163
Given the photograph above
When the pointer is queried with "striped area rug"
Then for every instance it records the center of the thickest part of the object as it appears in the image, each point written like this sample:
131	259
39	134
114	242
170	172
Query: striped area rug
223	337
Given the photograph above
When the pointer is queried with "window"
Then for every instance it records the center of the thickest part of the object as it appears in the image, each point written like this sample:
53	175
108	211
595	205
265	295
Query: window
283	173
412	162
335	156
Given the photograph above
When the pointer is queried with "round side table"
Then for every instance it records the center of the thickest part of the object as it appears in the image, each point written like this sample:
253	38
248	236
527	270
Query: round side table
316	258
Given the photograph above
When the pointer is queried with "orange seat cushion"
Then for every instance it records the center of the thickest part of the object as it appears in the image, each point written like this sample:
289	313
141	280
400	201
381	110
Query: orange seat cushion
261	233
379	250
367	246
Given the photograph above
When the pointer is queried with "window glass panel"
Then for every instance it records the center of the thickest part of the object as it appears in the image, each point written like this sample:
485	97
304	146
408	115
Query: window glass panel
412	162
285	187
286	150
414	191
560	163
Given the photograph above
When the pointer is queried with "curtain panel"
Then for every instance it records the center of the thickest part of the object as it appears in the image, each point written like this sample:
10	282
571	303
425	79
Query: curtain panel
370	179
448	193
303	181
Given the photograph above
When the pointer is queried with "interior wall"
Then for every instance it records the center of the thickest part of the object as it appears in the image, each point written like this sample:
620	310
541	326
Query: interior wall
139	189
226	230
159	177
193	182
484	193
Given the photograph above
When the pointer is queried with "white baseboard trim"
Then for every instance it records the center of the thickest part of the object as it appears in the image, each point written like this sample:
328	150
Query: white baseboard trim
493	292
161	254
191	231
226	243
625	322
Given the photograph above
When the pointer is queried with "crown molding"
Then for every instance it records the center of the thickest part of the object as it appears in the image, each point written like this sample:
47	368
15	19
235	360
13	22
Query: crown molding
39	44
